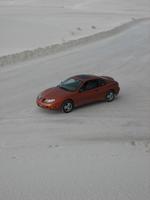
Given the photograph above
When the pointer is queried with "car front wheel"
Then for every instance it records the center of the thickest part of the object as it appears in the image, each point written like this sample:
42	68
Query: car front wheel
67	106
110	96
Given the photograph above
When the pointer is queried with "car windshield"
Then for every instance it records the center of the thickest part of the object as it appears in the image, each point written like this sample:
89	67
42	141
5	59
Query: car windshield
70	84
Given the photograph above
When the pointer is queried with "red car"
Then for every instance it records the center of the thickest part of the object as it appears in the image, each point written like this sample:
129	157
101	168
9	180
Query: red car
77	91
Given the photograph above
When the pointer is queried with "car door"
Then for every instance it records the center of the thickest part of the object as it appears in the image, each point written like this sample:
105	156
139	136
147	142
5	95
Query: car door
101	90
88	92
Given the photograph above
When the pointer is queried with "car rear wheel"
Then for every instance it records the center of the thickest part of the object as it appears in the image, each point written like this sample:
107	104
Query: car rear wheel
110	96
67	106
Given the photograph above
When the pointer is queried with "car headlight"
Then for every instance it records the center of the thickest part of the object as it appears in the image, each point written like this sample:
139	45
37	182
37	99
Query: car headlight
49	100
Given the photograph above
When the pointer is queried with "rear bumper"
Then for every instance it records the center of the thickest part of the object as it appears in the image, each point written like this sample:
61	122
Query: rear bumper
117	90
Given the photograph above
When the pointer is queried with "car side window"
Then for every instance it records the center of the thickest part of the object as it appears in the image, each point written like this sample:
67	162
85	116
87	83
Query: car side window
101	82
89	85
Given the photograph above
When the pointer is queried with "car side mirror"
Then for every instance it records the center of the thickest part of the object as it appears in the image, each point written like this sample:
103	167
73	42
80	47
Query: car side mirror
81	89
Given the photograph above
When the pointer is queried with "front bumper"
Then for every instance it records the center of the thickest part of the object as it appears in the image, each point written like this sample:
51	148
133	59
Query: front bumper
48	106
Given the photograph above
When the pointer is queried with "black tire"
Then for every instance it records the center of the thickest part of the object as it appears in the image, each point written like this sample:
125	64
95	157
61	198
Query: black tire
110	96
67	106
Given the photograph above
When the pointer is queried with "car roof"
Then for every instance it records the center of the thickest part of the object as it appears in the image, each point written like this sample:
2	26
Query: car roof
85	77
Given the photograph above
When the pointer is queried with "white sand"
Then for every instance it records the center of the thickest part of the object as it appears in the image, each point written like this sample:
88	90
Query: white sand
30	24
97	152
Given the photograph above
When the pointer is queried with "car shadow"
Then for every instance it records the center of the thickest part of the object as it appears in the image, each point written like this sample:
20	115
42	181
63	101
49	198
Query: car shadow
89	105
83	107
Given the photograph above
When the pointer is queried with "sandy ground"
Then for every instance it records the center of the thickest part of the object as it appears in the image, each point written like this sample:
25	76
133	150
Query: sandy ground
101	151
30	24
97	152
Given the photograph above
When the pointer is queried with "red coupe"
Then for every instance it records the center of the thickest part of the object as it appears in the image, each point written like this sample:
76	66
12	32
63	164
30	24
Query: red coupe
77	91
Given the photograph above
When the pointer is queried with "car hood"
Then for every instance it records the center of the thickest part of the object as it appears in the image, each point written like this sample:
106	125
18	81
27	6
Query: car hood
54	93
